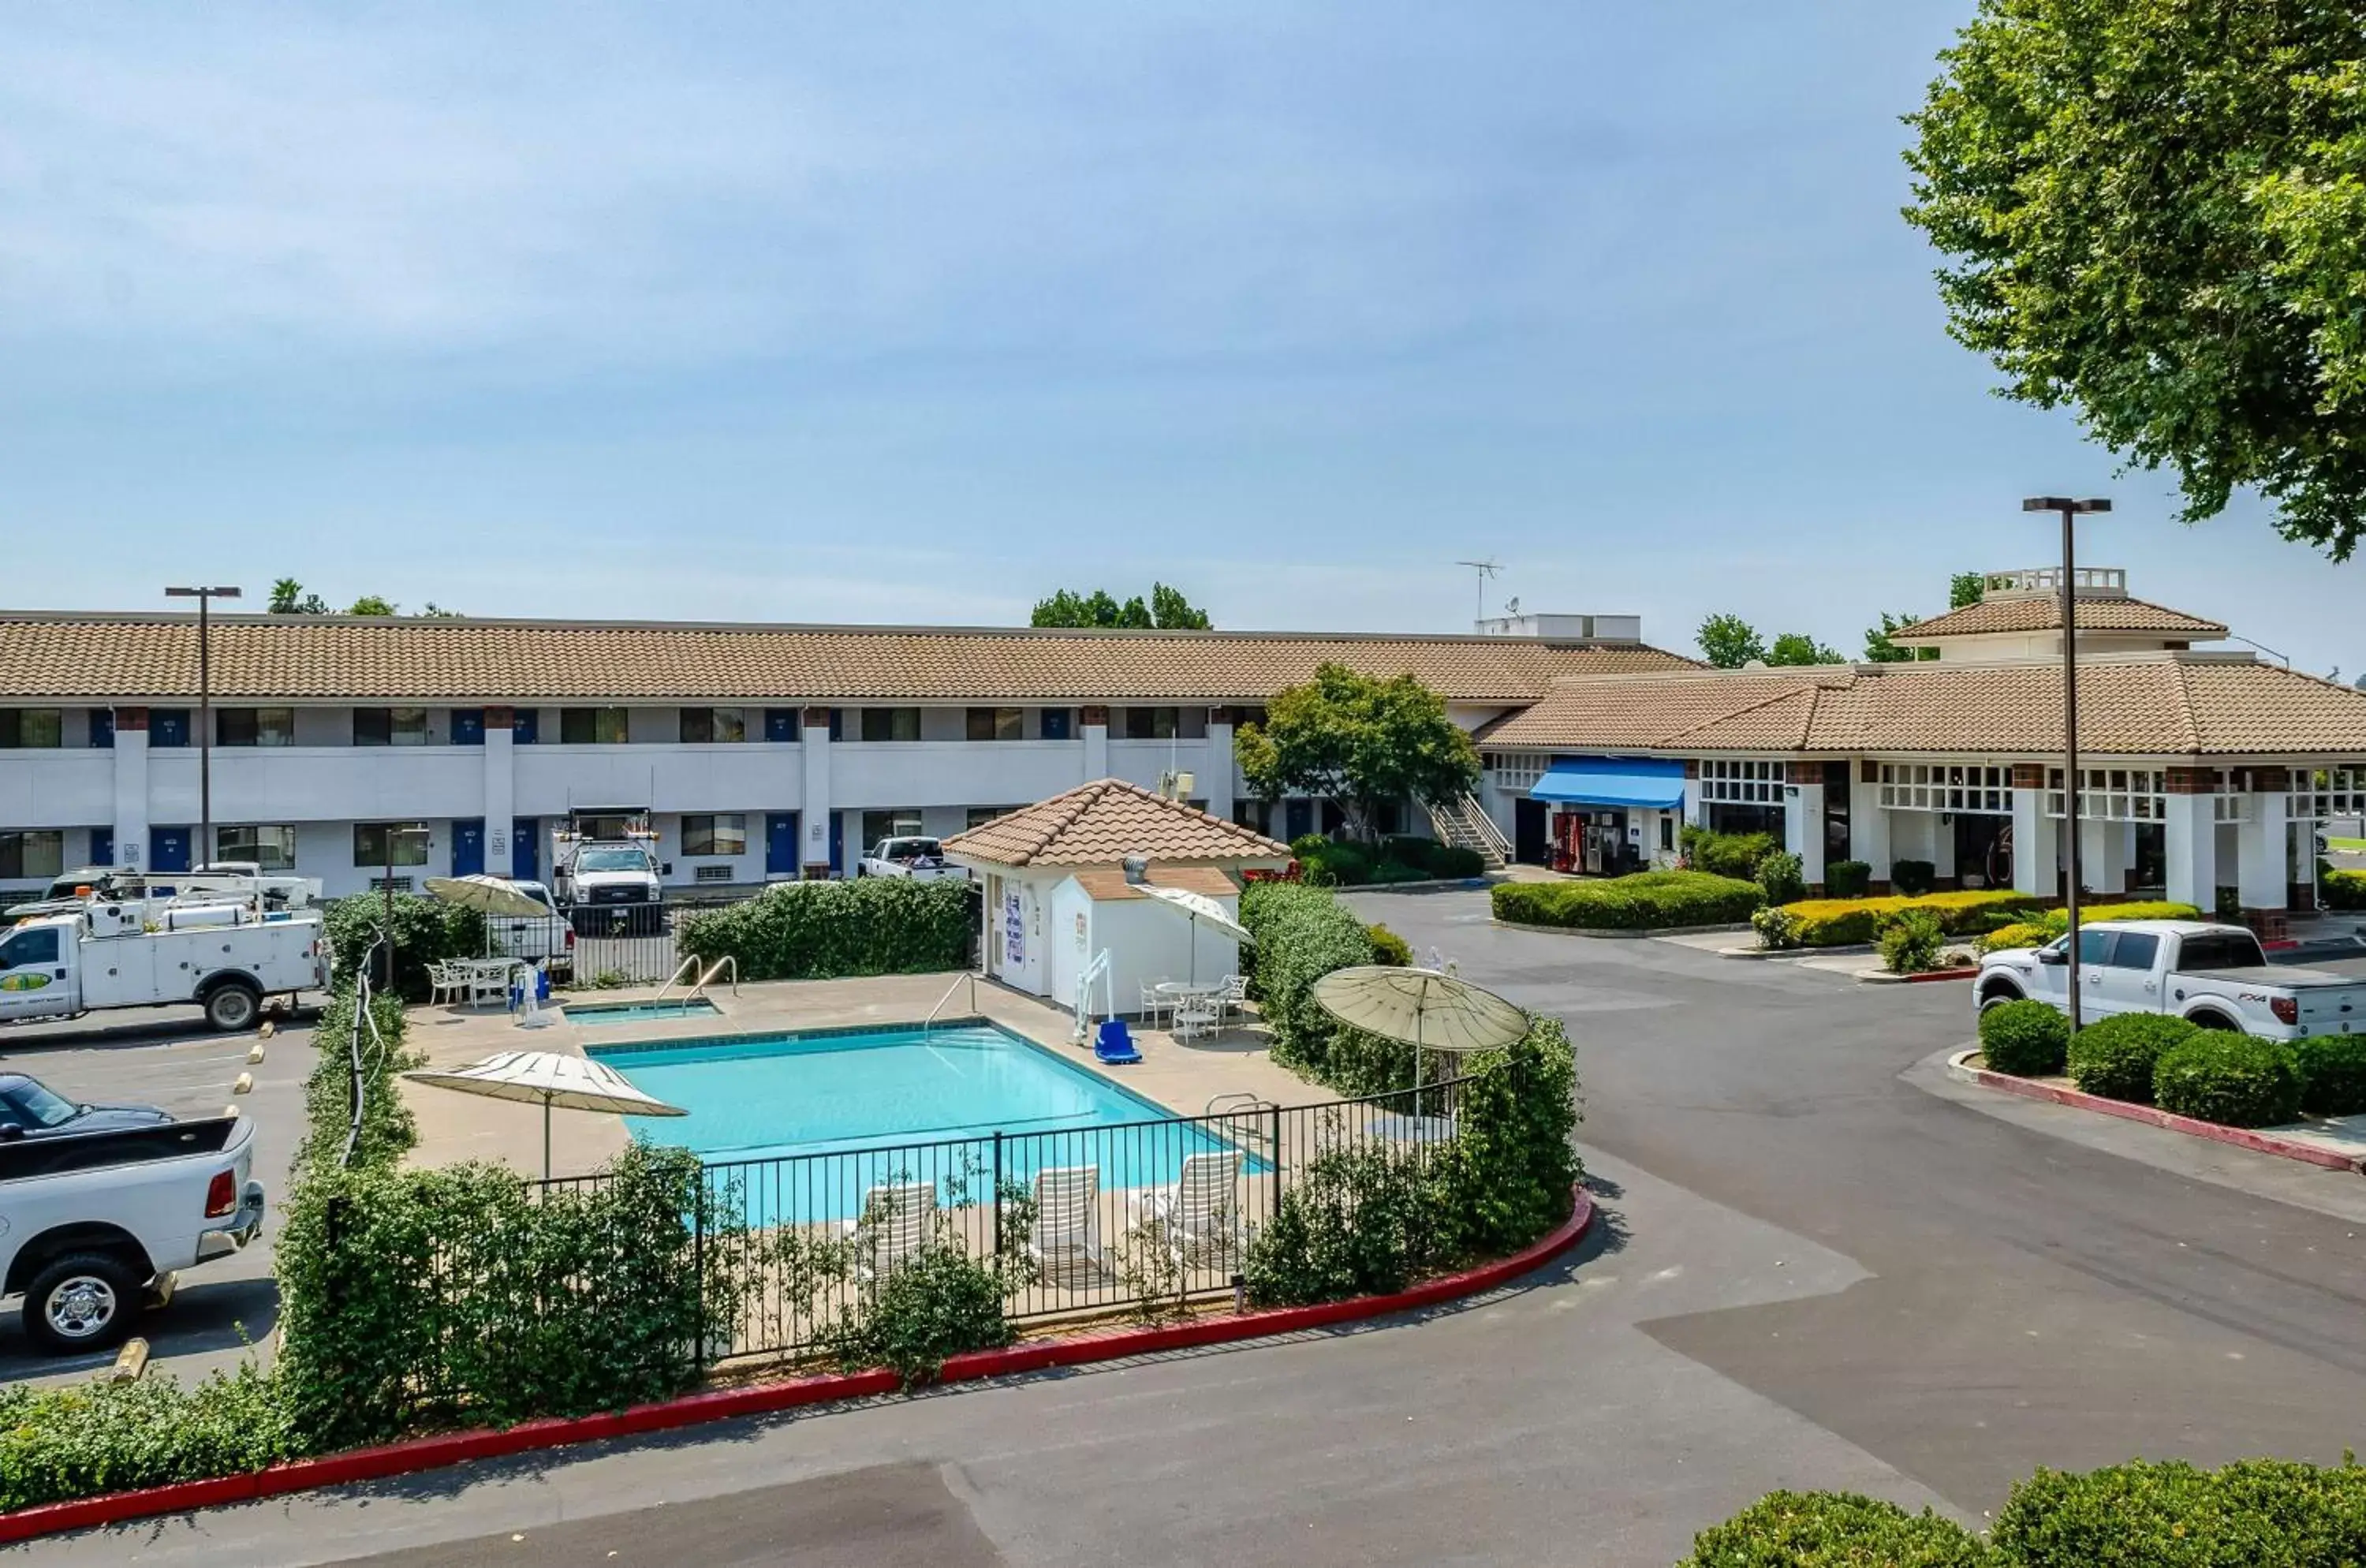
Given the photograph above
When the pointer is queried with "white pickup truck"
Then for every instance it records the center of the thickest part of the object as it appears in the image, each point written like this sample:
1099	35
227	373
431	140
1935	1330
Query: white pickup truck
93	1224
913	855
225	957
2214	976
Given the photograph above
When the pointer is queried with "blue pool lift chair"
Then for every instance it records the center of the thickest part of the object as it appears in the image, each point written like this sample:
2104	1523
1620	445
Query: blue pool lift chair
1113	1045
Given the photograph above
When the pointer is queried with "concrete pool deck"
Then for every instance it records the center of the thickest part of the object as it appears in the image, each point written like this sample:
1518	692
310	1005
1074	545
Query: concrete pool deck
1182	1076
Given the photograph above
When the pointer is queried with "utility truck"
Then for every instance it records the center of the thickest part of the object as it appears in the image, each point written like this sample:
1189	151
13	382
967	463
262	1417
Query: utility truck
2214	975
607	876
226	954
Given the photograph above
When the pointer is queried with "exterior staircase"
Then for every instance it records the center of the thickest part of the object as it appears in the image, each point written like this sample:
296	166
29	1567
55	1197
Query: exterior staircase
1461	821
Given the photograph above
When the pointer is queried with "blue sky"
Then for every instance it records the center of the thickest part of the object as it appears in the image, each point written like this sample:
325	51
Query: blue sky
910	313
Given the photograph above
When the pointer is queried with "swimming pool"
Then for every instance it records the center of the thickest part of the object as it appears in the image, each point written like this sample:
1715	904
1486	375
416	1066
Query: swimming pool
834	1114
598	1014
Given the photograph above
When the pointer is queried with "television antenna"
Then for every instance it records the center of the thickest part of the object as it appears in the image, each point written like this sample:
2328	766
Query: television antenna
1485	569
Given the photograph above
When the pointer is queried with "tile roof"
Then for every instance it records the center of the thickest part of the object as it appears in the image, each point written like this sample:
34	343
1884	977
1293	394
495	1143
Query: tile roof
1107	884
135	658
2150	705
2043	611
1099	824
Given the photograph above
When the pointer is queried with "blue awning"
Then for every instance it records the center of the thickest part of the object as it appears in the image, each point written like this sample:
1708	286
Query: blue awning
1641	782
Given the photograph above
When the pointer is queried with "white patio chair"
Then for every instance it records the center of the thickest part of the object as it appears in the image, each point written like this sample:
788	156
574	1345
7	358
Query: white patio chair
1201	1212
896	1222
1154	1002
1065	1240
446	982
1197	1016
1234	998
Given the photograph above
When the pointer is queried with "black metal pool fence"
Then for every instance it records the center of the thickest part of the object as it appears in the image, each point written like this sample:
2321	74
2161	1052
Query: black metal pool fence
1070	1221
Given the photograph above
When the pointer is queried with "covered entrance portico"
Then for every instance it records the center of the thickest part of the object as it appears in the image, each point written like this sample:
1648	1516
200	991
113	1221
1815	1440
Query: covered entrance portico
1611	815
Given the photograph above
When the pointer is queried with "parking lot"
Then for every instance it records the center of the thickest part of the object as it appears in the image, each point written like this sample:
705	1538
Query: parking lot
169	1058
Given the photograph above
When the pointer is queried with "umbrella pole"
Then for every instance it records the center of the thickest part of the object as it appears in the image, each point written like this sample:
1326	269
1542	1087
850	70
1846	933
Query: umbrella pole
1419	1009
546	1135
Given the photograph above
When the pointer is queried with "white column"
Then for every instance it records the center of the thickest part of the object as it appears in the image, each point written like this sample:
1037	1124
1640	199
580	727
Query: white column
2034	860
2261	877
1217	787
1696	807
1803	829
500	790
2096	860
1096	732
131	788
812	820
1868	826
2189	840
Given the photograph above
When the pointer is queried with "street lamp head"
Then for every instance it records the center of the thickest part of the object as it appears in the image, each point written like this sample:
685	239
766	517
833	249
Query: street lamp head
202	593
2064	503
2094	503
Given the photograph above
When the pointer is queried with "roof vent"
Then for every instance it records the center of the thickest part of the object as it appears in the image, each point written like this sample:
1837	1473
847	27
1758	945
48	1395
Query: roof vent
1137	869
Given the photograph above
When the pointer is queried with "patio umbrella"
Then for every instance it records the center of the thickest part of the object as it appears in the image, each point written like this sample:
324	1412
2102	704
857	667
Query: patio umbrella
488	896
1202	912
569	1083
1426	1008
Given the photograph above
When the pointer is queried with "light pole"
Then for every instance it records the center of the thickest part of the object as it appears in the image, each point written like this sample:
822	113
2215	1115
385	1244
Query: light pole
2069	510
394	831
205	598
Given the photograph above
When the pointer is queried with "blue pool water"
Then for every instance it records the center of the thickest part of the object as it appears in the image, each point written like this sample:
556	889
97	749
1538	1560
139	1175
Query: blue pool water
804	1118
598	1014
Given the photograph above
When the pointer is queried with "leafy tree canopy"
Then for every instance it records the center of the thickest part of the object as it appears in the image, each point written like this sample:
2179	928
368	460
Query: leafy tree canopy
2155	210
288	598
1798	647
1964	588
1728	642
1360	741
1166	611
1879	650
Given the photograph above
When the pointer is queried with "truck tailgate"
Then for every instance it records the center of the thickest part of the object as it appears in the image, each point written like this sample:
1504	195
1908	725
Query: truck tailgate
2334	1010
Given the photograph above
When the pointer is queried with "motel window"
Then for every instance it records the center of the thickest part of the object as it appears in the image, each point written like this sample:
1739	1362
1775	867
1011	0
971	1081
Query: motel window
370	843
38	853
255	726
707	727
1667	830
900	823
979	815
1740	782
724	833
1516	772
1983	789
1152	724
997	724
891	724
593	727
271	846
2113	794
31	729
389	727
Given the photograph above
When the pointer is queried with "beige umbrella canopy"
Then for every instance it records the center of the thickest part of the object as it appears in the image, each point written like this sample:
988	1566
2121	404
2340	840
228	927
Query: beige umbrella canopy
487	894
1421	1008
548	1078
1202	910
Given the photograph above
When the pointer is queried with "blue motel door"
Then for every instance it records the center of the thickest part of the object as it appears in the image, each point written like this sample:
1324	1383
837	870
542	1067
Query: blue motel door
525	849
782	851
468	846
168	848
837	844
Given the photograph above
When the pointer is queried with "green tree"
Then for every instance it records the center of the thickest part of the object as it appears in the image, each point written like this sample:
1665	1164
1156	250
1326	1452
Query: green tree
1360	741
288	598
1728	642
1965	588
371	605
1166	610
2153	211
1798	647
1879	650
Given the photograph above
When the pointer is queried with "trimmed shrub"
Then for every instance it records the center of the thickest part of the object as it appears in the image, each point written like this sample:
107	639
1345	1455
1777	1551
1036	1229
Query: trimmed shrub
427	930
2232	1078
2021	933
1911	876
1511	1166
1909	942
1389	948
819	931
388	1128
2341	889
1834	1529
1646	900
2028	1039
1847	879
2257	1513
2332	1073
1836	923
1361	1219
78	1439
1782	875
936	1303
2114	1056
1727	855
1303	933
1454	862
1326	863
1777	929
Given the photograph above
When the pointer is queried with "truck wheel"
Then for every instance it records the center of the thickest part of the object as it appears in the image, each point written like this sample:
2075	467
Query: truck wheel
84	1301
232	1005
1997	996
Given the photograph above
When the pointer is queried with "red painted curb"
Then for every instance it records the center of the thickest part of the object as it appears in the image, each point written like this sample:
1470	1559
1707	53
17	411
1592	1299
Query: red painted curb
718	1405
1940	975
2240	1137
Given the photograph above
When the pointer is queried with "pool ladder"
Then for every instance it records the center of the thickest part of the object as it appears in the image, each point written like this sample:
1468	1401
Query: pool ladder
689	968
1256	1121
971	981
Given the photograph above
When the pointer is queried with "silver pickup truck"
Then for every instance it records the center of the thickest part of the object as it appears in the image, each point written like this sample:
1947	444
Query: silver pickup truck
2214	975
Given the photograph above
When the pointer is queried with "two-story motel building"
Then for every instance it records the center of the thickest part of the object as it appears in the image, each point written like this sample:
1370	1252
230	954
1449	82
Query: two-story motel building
763	753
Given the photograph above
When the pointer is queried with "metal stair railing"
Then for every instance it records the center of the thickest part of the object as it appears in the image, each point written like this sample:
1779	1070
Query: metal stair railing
971	981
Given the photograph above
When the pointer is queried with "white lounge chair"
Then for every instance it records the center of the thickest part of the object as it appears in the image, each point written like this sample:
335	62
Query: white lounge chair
1201	1212
1065	1240
896	1222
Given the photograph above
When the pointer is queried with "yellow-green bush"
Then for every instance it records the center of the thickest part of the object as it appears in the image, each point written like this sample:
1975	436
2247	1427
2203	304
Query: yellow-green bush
1835	923
2047	924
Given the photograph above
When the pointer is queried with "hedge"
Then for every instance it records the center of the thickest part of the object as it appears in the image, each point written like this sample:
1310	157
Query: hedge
1836	923
1303	934
425	931
1913	876
2114	1056
1847	879
1727	855
58	1443
1834	1529
2229	1077
2047	924
819	931
1399	858
2343	889
1644	901
2028	1039
2332	1074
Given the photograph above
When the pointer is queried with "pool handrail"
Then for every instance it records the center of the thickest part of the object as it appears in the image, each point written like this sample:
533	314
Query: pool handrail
688	966
969	979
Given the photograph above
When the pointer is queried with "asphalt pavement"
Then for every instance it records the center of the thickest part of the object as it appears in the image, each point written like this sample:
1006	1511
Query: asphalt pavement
1817	1267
